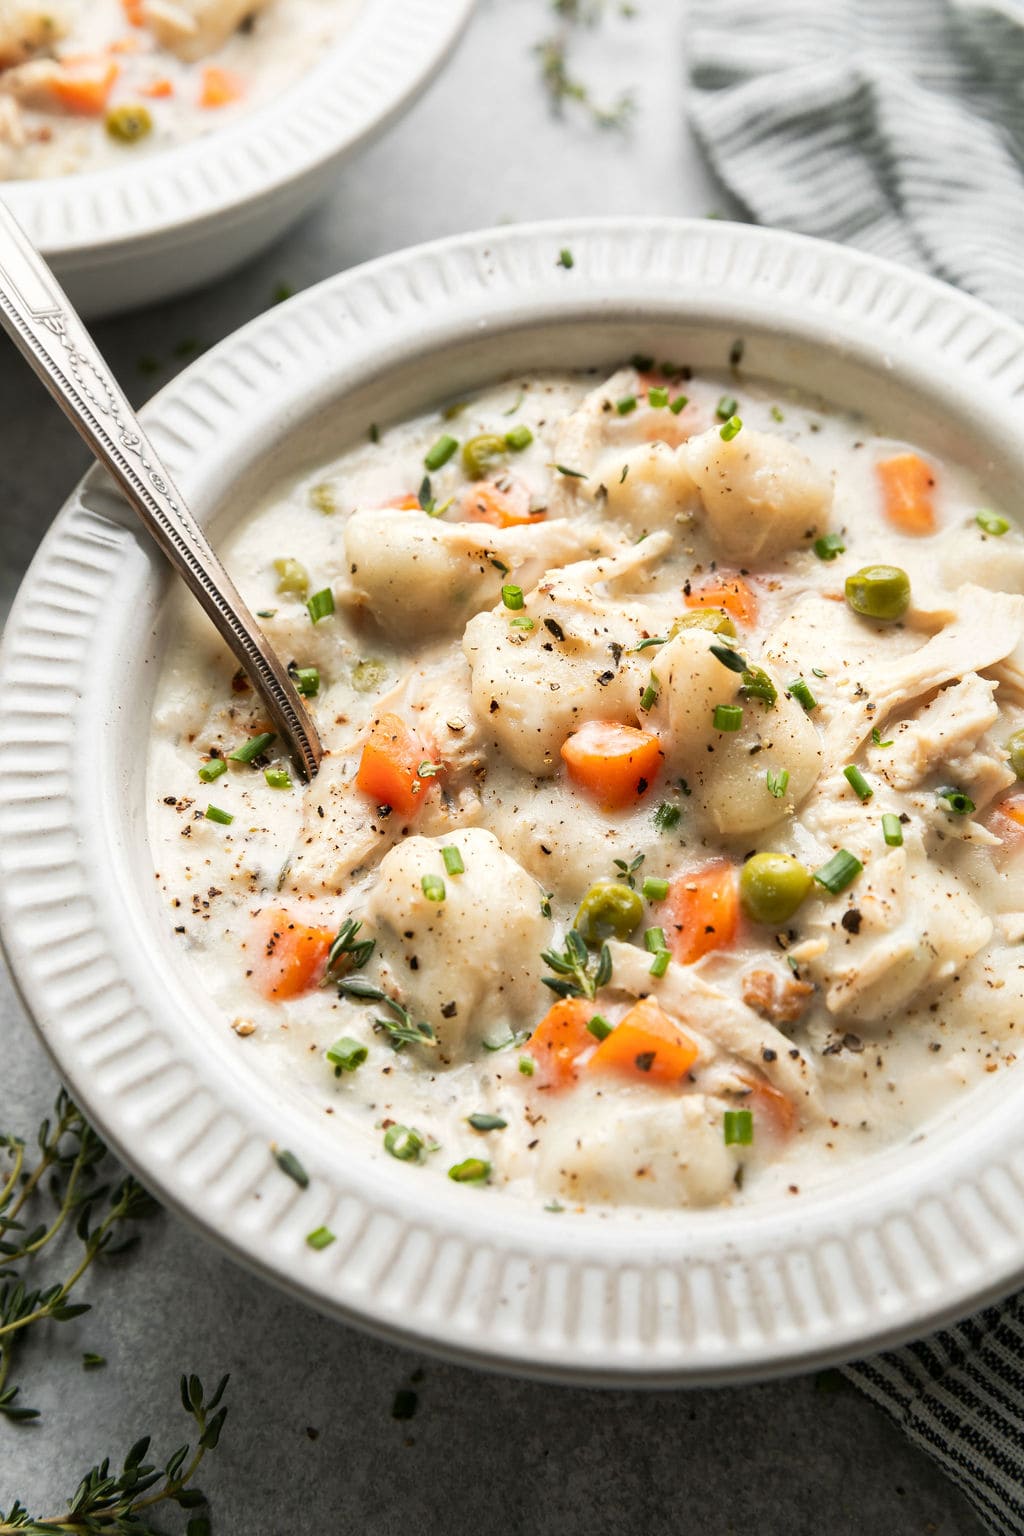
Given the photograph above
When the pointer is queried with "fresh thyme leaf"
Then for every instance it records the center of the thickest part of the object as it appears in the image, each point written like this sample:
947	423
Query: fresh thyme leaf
571	966
518	1038
289	1164
347	953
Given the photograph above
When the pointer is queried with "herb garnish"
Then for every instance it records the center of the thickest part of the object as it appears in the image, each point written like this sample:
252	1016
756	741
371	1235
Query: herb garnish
627	871
777	780
959	803
347	953
573	977
400	1029
876	737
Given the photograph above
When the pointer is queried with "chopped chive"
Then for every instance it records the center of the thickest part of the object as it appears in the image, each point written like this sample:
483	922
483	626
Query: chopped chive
829	546
251	749
959	803
727	717
758	685
876	737
654	940
403	1142
733	427
666	817
523	623
223	818
857	782
321	605
817	672
518	438
512	596
481	1122
565	258
727	406
655	889
892	831
346	1054
993	523
729	658
799	690
527	1066
626	404
289	1164
278	778
679	404
649	697
437	456
322	1237
213	770
453	861
657	397
840	870
433	887
599	1027
472	1170
776	414
738	1126
659	965
307	681
777	780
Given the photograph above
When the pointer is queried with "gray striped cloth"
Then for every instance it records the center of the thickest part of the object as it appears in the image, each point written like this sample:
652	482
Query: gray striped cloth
893	125
896	126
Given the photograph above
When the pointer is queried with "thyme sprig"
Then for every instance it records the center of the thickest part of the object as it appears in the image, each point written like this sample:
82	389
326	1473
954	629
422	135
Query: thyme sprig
108	1503
573	976
67	1175
561	85
347	953
401	1027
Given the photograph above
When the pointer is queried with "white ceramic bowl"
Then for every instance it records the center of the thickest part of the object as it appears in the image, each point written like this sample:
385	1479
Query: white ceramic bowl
175	220
912	1238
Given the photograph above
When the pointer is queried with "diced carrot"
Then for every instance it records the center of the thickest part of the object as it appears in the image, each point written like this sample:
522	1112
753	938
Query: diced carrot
646	1044
390	764
402	502
292	955
504	505
728	590
220	87
560	1039
127	44
907	483
1006	820
83	84
616	764
133	12
772	1109
702	911
158	89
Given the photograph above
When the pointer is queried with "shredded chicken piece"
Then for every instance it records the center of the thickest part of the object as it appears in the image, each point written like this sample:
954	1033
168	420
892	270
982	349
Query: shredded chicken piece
194	28
782	999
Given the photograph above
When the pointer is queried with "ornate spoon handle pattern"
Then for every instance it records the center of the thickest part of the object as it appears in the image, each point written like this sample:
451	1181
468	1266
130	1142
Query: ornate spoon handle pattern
40	320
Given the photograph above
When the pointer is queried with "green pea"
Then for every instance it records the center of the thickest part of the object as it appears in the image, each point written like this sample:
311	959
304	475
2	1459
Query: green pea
291	576
1015	747
715	619
879	592
481	452
772	886
129	124
609	910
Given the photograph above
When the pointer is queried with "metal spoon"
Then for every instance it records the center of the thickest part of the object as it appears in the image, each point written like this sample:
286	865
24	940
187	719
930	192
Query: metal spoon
40	320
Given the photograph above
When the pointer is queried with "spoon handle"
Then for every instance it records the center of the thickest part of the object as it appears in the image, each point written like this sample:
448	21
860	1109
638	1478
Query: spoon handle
40	320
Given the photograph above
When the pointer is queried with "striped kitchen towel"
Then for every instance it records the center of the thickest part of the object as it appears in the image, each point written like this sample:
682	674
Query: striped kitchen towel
892	125
896	126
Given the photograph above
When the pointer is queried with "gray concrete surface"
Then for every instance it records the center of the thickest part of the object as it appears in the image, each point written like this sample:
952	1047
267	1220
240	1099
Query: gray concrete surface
311	1443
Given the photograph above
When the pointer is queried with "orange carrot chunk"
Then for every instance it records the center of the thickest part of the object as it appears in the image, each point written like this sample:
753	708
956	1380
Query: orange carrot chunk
772	1109
907	484
503	506
702	911
291	957
646	1044
615	764
389	767
158	89
133	12
220	87
83	84
559	1040
728	590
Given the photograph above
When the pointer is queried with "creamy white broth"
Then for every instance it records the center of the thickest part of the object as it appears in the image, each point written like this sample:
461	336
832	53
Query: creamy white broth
91	83
824	1037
